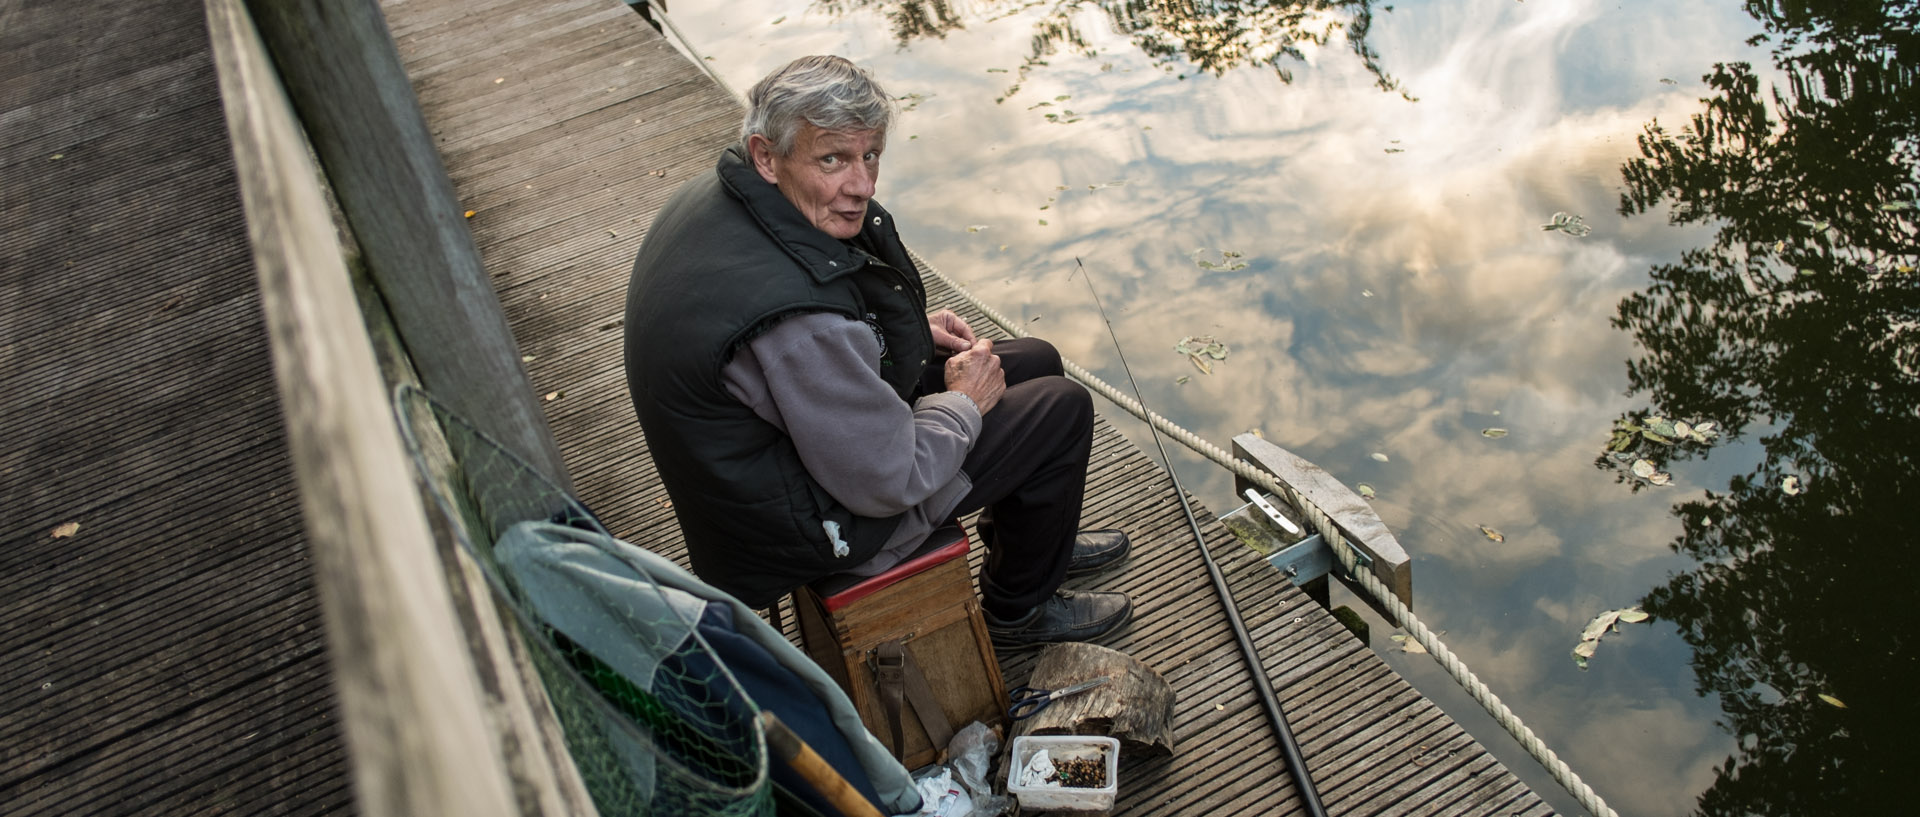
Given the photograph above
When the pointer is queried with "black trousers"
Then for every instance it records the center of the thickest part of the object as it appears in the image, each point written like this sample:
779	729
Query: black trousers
1029	474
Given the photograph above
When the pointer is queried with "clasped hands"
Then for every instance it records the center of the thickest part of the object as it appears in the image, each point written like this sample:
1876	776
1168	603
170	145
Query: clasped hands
974	370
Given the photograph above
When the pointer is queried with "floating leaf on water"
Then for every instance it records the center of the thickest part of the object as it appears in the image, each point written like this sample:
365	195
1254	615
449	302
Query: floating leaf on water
996	70
1493	433
1681	429
1633	615
1182	380
1599	626
1832	700
1394	150
1366	293
778	20
1568	223
974	228
1585	649
1581	662
1060	188
1062	98
1043	222
1202	345
1643	468
1495	535
1366	491
1199	363
1790	485
1703	432
65	530
1378	457
1661	426
1255	431
1665	81
1897	206
1003	248
1413	647
1661	478
1656	438
1046	206
1622	440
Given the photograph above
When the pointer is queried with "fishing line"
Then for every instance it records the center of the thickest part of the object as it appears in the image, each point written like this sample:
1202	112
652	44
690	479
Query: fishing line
1290	748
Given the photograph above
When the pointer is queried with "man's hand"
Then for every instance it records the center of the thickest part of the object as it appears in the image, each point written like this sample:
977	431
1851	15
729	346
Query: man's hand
976	374
950	332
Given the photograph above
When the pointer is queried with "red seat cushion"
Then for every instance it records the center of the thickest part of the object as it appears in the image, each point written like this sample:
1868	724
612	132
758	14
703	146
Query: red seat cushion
945	543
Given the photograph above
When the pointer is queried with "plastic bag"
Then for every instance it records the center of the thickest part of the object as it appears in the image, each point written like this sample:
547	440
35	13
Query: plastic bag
971	754
940	796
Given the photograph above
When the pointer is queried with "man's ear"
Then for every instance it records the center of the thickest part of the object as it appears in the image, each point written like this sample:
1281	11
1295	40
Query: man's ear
760	149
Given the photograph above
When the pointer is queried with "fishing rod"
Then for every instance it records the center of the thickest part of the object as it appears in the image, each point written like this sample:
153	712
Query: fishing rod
1290	748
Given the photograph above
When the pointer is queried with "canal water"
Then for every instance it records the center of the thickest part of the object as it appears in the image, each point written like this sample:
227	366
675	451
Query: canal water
1609	304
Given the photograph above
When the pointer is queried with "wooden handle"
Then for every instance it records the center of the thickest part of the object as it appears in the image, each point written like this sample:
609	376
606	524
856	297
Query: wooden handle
792	750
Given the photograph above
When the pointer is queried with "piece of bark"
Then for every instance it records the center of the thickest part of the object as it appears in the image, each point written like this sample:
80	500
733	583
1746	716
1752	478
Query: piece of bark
1136	707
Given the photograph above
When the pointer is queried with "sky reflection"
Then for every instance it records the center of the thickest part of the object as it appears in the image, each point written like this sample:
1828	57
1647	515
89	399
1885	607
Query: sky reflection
1400	294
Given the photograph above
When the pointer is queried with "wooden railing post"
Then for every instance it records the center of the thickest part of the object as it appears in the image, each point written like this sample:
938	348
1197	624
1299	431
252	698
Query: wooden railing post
339	66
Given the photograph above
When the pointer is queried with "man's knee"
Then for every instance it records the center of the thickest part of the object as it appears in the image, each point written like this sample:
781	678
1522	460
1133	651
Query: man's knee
1026	359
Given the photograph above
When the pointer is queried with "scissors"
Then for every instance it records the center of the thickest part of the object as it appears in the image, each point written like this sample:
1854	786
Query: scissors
1028	701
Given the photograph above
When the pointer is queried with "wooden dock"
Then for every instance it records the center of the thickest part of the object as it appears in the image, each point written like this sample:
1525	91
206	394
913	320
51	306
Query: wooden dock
166	657
565	126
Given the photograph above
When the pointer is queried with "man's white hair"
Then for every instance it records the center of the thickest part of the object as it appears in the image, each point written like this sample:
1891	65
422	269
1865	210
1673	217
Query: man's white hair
830	92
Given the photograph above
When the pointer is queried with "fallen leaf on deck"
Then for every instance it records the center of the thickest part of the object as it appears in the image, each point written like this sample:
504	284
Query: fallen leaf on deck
555	395
526	358
1490	533
66	530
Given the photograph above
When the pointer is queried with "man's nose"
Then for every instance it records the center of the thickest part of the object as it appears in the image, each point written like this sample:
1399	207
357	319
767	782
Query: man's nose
860	183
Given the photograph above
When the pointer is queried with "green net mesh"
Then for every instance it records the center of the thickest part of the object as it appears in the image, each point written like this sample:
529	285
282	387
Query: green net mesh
677	739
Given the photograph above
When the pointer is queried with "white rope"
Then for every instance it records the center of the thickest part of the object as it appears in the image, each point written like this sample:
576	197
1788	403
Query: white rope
1324	525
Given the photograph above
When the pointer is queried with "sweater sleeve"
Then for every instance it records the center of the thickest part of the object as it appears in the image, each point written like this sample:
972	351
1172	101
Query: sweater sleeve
816	377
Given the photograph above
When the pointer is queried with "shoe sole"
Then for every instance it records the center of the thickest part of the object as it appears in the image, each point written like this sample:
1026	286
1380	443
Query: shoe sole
1002	647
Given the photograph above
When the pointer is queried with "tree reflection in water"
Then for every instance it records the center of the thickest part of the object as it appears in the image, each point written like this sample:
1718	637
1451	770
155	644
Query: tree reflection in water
1800	328
1212	35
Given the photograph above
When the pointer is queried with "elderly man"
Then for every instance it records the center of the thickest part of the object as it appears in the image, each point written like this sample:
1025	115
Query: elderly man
807	415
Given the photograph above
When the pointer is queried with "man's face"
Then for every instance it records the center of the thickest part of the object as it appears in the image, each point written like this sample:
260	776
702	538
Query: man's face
829	177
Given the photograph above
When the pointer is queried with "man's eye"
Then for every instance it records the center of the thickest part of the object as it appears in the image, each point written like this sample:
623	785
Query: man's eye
871	156
830	161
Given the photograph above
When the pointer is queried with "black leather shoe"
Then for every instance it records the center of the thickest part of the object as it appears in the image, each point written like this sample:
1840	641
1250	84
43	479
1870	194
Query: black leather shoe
1095	551
1068	616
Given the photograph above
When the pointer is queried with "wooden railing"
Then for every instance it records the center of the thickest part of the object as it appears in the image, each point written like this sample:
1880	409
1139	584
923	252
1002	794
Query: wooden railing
442	713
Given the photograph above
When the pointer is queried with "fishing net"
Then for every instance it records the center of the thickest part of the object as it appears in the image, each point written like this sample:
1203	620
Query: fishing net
668	731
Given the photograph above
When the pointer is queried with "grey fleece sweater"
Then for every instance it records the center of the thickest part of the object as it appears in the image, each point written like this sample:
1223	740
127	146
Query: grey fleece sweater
816	377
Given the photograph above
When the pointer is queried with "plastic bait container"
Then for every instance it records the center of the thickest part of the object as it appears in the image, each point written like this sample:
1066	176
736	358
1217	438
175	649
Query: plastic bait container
1064	747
